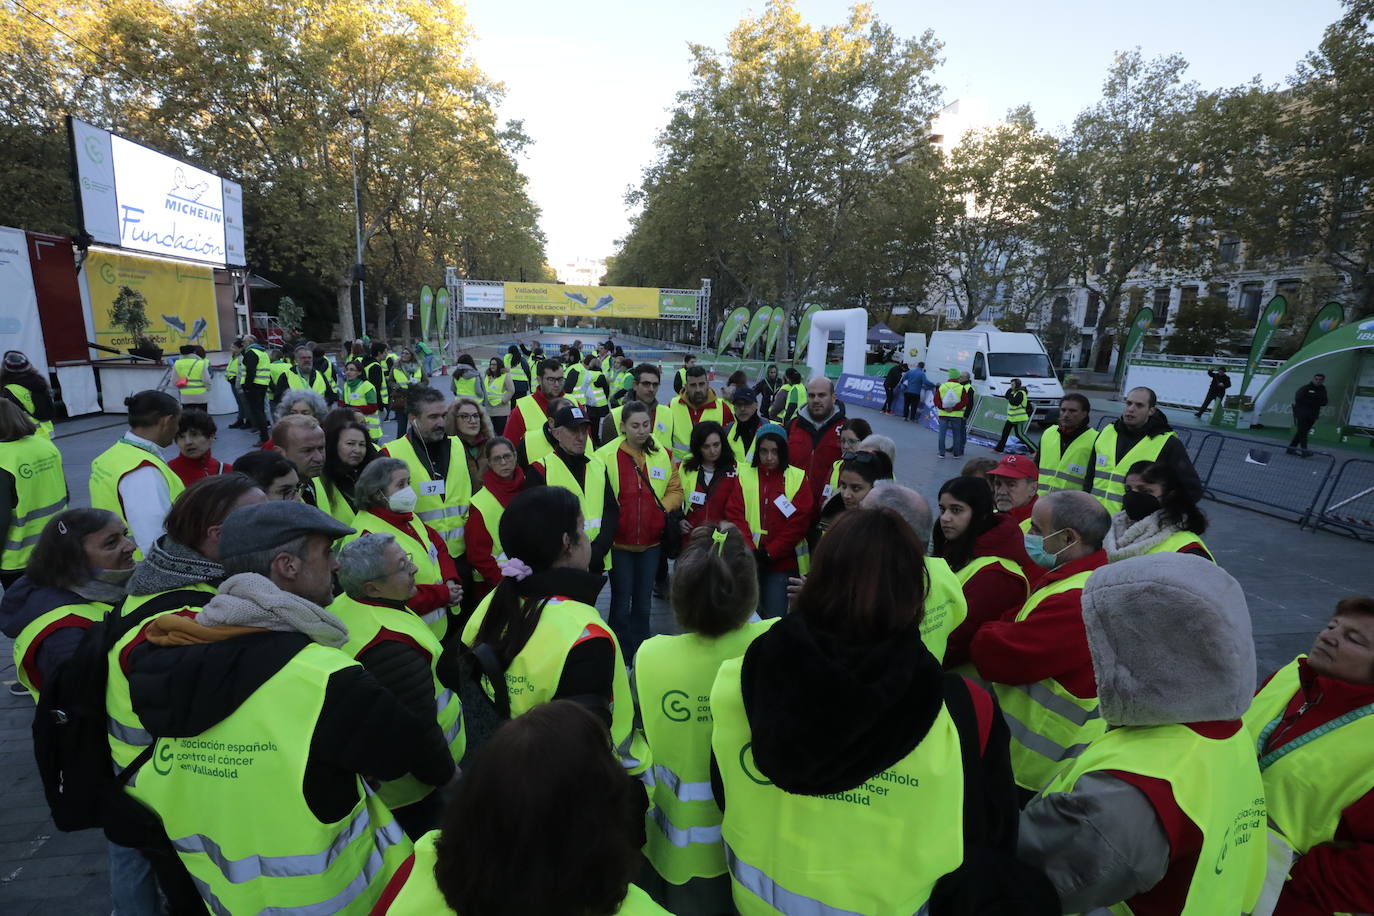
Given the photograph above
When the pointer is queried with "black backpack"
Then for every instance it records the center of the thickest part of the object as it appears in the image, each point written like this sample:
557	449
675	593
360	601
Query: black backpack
70	744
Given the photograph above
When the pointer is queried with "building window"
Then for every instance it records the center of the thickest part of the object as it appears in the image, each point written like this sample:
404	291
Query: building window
1289	290
1251	300
1229	250
1219	293
1187	297
1160	304
1094	302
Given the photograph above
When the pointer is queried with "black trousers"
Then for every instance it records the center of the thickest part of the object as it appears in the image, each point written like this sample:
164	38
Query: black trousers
887	402
911	407
255	396
1211	396
1305	425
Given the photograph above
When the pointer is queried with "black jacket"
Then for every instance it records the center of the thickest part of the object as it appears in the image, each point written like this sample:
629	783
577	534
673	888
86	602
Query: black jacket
1174	452
23	603
1220	381
610	509
181	691
893	377
1309	401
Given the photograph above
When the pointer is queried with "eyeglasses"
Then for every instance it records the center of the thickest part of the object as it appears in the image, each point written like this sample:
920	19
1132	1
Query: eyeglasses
504	456
469	416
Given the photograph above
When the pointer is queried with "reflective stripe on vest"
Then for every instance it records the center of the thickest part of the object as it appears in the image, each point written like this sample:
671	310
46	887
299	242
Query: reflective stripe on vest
491	510
1217	786
591	391
793	479
683	425
231	370
874	863
1016	413
35	466
192	368
537	445
516	368
1048	724
446	514
495	388
945	387
1109	475
110	467
557	474
355	394
1064	470
465	386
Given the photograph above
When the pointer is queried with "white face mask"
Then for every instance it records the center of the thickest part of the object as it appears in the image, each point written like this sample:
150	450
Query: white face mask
403	500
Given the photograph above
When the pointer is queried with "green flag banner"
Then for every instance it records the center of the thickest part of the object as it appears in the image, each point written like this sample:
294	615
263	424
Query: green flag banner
775	323
677	305
1327	319
1269	321
804	329
1139	325
757	325
426	310
441	315
734	323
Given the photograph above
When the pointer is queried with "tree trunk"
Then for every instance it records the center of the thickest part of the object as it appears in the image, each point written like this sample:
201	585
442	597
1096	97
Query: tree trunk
343	297
380	305
1106	318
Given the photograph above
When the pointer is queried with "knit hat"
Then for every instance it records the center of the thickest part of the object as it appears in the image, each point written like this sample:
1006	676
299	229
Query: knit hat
16	362
954	375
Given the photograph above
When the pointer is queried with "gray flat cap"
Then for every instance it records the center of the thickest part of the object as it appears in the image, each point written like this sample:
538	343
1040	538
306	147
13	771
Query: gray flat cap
249	529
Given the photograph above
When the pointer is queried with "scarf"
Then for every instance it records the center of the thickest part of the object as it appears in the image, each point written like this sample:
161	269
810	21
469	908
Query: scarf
171	565
251	600
108	586
503	489
1131	539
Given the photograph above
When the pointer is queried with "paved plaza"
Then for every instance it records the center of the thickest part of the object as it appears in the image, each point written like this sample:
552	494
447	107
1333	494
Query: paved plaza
1292	579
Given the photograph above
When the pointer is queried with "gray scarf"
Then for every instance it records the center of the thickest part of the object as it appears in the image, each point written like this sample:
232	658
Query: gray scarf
251	600
1131	539
171	565
108	586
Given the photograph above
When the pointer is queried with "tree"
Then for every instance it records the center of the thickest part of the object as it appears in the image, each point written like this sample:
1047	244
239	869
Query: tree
1207	326
129	311
290	315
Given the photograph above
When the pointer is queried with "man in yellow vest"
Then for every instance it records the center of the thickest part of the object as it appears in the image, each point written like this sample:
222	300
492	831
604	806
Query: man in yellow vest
265	789
1038	661
256	381
1165	811
438	470
303	376
697	402
568	465
1066	448
191	375
951	399
788	399
130	478
646	379
233	374
1018	417
1142	433
526	424
300	440
680	377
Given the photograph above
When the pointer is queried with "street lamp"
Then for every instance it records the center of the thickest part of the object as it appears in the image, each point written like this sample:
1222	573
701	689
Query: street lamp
358	270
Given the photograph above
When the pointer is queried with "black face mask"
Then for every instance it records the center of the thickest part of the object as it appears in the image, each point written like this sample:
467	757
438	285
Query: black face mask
1139	504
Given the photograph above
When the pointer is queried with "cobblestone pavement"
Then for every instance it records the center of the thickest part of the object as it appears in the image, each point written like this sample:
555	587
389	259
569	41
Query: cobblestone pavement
1292	579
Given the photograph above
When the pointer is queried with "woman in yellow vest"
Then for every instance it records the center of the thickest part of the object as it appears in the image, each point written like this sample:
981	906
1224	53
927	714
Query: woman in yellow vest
777	507
22	384
541	626
856	475
360	394
32	488
191	376
714	592
347	450
1157	516
79	569
866	813
502	479
467	381
987	553
561	828
500	394
467	421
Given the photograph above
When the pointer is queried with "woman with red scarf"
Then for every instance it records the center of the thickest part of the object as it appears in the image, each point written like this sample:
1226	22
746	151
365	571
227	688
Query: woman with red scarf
501	480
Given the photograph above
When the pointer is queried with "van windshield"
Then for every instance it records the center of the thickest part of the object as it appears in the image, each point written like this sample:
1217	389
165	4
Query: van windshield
1019	365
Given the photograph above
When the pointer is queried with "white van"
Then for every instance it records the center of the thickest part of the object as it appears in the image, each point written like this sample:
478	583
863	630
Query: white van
992	358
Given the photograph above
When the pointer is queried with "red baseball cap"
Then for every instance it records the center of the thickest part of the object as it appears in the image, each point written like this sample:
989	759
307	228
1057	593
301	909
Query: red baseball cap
1016	466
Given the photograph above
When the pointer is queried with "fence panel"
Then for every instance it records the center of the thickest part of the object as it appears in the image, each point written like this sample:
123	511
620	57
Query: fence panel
1260	475
1349	508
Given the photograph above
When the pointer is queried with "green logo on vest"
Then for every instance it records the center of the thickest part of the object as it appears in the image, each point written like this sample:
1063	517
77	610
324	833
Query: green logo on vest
164	757
746	763
673	707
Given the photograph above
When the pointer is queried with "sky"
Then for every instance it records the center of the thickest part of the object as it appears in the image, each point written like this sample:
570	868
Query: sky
593	80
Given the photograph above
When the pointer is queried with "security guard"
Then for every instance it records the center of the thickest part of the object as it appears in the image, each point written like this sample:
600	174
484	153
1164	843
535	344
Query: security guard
1142	433
191	372
1066	448
130	478
31	468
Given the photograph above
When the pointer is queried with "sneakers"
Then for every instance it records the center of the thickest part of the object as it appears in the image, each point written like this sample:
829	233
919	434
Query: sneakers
941	455
18	690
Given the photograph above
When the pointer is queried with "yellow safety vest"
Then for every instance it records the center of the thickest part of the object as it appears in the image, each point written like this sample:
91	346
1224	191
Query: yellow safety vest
1216	783
330	500
657	465
491	510
35	464
591	493
277	368
945	607
532	676
877	848
297	382
673	678
683	425
465	386
262	373
732	439
1180	540
25	398
1016	413
110	467
793	480
191	368
1109	475
356	394
663	423
516	368
231	370
27	642
446	508
796	396
283	859
365	623
1048	724
946	388
495	388
537	444
425	556
591	391
1062	469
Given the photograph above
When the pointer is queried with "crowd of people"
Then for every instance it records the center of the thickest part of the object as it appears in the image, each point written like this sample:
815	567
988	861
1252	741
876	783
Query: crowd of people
352	673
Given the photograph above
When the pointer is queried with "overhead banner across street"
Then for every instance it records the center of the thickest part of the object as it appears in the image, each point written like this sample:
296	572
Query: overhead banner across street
604	301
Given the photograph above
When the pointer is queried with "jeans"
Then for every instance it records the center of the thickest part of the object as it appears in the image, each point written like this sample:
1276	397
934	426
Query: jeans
242	419
773	593
954	425
133	887
962	434
257	409
911	406
632	594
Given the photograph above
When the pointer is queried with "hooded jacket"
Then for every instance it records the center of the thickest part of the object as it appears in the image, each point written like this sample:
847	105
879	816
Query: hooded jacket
1174	452
1171	645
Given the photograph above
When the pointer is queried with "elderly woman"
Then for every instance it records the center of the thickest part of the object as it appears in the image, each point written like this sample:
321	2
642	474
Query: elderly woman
386	504
468	420
391	641
301	401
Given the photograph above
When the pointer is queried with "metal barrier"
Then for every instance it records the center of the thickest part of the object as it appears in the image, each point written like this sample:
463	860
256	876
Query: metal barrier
1349	507
1259	474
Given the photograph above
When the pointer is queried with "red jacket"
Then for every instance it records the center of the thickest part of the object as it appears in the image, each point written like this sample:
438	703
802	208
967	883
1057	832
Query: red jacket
427	597
815	450
1051	643
723	501
515	425
784	532
477	539
190	471
1332	878
992	592
641	521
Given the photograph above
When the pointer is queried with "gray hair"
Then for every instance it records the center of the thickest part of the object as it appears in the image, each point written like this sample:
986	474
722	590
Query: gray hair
296	395
260	561
1081	512
906	502
374	480
362	561
882	444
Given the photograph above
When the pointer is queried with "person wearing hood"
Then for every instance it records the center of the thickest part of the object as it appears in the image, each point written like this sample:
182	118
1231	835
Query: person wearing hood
909	778
386	505
1312	727
500	390
813	439
1014	483
1164	813
1141	433
24	386
1037	660
467	380
739	436
767	388
255	711
985	550
529	414
542	625
502	479
1156	516
568	465
438	468
777	506
696	403
391	640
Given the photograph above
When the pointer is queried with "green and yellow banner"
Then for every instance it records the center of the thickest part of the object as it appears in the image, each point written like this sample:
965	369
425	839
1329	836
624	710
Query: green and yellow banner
757	325
1268	323
775	323
441	315
677	305
426	310
605	301
804	329
177	305
734	323
1328	318
1139	325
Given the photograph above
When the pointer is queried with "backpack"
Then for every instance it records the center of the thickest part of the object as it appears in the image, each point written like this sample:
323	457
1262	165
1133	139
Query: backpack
951	398
70	745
